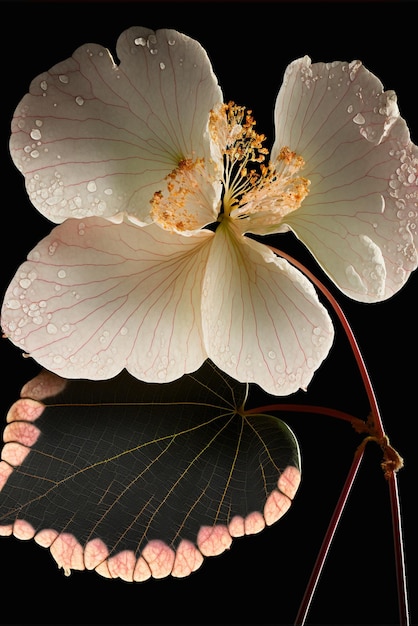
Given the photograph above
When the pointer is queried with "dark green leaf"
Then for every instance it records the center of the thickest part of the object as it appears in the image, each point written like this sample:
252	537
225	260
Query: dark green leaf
138	480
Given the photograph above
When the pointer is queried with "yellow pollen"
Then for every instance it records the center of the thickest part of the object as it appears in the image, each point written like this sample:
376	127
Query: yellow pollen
263	192
276	192
170	211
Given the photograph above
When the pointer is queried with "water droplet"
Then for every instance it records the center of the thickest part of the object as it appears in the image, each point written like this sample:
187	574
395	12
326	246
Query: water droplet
25	283
123	330
91	186
140	41
13	304
52	248
63	78
51	329
79	100
350	108
35	133
354	279
354	67
171	42
153	50
152	40
108	191
44	85
34	255
272	354
162	66
162	374
359	119
34	154
61	274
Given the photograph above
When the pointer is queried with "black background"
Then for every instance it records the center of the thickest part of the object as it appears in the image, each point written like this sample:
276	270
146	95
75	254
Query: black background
262	578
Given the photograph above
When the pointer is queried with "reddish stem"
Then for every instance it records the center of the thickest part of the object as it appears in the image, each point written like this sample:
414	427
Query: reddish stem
329	535
377	431
358	424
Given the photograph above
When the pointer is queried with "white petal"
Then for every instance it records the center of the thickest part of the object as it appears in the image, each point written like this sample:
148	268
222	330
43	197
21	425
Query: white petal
94	138
96	297
360	216
262	319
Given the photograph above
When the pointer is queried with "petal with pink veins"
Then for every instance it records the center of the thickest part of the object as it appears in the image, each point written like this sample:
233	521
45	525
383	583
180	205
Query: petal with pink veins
23	530
46	537
67	552
95	552
160	558
360	216
94	138
122	565
24	432
142	571
188	559
96	297
262	319
213	540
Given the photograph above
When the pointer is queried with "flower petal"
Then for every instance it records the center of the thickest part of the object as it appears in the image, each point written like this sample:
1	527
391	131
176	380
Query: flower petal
95	139
262	319
96	297
360	215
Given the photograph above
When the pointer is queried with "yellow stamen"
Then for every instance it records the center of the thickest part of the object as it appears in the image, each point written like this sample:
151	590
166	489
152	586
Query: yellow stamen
264	193
170	210
276	192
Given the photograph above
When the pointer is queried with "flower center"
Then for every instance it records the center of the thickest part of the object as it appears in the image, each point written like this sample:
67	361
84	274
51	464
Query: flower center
263	193
255	196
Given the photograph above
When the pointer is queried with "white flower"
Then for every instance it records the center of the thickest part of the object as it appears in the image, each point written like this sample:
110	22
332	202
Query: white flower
145	154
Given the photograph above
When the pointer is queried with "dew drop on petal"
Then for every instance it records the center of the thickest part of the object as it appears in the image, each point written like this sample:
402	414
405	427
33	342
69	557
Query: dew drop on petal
61	274
63	78
359	119
91	186
35	133
79	100
140	41
13	304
